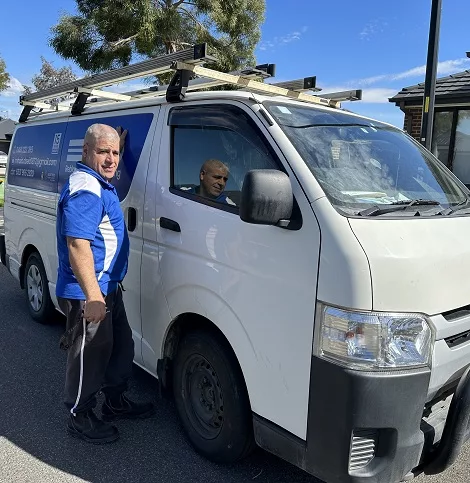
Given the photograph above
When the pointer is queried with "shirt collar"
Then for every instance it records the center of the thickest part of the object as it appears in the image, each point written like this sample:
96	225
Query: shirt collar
92	172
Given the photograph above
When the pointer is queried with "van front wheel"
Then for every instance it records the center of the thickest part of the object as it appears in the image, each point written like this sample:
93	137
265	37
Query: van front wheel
211	398
40	305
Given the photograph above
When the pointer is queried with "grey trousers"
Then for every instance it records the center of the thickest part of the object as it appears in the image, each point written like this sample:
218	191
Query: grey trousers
99	355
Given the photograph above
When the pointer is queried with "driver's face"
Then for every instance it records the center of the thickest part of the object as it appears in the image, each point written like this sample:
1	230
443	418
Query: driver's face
213	181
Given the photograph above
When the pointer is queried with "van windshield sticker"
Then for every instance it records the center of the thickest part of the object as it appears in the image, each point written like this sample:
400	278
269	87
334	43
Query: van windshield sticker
284	109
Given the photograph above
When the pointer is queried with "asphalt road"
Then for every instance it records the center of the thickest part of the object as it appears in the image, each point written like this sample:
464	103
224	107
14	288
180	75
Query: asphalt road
34	446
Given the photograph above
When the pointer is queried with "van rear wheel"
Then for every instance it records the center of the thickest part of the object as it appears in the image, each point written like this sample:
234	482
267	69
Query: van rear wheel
40	305
211	398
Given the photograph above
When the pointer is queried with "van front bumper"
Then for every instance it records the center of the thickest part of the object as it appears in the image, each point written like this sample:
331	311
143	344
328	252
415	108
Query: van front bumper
369	426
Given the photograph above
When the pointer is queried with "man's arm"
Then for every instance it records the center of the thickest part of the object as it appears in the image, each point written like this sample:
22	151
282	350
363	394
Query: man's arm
83	266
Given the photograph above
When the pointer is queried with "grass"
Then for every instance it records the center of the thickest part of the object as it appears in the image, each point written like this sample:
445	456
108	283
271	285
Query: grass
1	191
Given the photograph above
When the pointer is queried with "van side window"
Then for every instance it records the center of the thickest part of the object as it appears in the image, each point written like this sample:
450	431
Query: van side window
213	147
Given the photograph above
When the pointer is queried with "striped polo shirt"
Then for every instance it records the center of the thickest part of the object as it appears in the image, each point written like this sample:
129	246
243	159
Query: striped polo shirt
89	209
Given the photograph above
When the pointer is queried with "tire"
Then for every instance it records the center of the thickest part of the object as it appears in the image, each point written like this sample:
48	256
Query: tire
36	286
211	398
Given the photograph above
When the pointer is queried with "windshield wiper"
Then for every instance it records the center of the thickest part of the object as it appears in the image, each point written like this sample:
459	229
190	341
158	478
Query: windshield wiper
459	206
396	206
329	124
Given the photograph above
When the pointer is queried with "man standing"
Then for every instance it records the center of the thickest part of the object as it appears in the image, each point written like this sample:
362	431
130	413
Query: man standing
93	249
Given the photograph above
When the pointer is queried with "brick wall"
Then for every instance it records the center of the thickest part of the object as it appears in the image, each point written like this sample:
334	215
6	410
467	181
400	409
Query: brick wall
412	123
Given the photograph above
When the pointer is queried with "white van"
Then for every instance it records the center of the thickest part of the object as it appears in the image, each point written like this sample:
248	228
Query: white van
325	315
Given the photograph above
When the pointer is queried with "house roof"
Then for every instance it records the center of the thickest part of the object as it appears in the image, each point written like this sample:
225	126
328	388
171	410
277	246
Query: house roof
6	127
455	88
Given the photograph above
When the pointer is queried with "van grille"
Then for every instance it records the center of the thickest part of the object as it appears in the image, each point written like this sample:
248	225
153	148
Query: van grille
458	339
363	447
459	313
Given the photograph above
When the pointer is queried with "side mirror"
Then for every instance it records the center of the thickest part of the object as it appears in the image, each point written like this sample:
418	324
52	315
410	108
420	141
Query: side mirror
266	198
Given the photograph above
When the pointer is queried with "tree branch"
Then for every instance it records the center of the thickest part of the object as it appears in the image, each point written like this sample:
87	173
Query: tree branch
178	3
118	43
193	18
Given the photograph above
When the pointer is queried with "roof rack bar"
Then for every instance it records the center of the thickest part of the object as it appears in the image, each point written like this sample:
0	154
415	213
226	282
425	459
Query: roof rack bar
186	64
253	84
300	85
106	94
194	84
154	66
270	69
353	95
43	105
45	108
79	104
25	113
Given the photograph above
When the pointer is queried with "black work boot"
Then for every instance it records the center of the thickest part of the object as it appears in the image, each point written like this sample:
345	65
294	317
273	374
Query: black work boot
89	427
119	407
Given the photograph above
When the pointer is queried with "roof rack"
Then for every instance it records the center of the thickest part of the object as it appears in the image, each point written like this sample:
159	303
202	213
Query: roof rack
186	64
353	95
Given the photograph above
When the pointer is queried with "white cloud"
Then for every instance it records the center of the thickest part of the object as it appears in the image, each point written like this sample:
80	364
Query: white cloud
443	68
283	40
11	110
369	80
371	95
9	99
380	95
372	28
290	37
377	95
14	89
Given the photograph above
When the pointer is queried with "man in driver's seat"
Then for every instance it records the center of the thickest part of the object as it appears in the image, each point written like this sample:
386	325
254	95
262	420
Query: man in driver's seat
213	177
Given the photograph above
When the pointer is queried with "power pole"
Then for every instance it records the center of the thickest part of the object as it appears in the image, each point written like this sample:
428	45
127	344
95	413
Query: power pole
431	71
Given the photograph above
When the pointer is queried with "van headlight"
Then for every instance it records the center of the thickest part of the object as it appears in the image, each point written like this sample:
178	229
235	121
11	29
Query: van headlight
373	340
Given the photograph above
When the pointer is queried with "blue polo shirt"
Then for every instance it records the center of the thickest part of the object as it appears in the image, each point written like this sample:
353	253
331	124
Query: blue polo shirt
89	208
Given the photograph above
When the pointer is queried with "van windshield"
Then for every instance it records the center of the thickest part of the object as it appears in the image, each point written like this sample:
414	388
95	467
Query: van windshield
361	163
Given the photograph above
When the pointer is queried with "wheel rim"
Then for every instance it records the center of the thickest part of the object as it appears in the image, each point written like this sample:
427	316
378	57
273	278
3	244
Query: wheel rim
204	403
35	288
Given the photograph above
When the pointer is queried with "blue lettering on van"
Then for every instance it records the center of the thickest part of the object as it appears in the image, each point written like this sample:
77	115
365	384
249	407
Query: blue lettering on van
44	155
137	125
35	154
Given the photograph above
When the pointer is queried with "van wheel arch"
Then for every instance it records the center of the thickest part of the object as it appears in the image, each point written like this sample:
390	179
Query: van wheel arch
180	326
27	252
198	355
40	306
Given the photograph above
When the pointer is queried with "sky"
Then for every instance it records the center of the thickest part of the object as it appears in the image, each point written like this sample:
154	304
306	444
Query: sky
378	46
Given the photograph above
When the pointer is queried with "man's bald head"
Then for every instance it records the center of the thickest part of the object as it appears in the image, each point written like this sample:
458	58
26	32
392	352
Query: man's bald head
101	150
214	164
100	131
213	177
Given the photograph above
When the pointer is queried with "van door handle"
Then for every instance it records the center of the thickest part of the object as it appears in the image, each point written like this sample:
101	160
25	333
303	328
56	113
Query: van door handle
170	224
131	219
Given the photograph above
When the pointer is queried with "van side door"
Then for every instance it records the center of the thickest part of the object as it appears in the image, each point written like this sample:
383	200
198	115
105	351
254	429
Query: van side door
256	284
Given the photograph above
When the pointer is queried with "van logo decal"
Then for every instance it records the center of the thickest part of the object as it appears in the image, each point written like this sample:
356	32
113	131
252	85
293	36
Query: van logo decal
56	143
32	164
74	151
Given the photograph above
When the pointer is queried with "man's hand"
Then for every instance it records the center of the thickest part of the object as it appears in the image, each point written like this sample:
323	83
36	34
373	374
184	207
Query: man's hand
83	266
94	311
